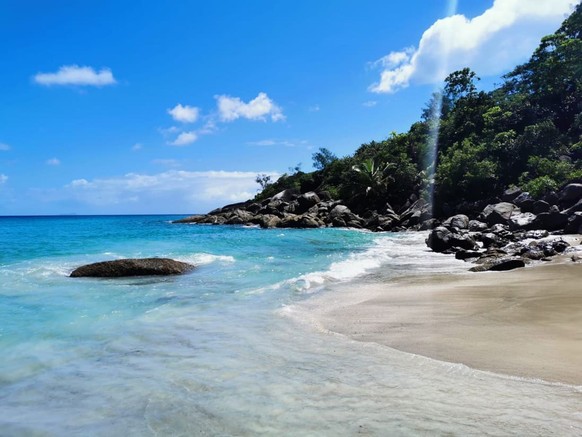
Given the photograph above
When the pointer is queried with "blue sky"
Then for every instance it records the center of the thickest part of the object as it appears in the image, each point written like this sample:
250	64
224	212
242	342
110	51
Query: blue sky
116	107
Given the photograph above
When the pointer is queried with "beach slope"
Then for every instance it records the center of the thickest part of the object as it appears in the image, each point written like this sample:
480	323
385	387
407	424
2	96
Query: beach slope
526	322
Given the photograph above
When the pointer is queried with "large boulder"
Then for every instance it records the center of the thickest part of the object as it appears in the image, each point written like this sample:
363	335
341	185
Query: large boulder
500	264
132	267
577	207
551	221
267	221
439	239
239	217
192	219
571	194
522	220
477	226
416	213
286	195
510	194
499	213
463	241
524	201
540	206
341	216
311	221
459	221
306	201
227	208
574	225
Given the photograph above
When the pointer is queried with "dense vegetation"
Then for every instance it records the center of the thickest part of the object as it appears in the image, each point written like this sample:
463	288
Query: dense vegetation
526	132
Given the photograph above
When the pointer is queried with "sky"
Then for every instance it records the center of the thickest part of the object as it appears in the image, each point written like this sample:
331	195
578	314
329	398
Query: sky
149	107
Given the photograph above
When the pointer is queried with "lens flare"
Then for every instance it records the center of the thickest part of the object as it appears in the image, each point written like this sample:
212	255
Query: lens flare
434	121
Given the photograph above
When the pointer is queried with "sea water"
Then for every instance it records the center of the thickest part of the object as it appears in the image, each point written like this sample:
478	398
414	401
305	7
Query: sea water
212	352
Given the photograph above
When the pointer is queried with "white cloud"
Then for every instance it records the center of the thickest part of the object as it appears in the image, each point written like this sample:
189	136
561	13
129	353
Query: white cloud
3	178
136	147
208	128
263	143
184	139
260	108
314	108
184	114
490	44
167	131
187	190
75	75
167	162
286	143
53	161
370	103
4	147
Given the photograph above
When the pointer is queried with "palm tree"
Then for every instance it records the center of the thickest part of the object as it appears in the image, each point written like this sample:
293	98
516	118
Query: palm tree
375	176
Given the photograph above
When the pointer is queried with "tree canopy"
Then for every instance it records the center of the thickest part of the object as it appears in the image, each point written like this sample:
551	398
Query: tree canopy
526	132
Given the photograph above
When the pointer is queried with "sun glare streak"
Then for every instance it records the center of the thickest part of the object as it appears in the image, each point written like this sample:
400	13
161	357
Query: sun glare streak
435	122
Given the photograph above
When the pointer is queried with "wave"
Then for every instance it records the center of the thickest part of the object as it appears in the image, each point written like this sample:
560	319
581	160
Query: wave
397	255
199	259
390	255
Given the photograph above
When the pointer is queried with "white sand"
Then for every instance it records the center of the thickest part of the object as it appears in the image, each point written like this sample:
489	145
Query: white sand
526	322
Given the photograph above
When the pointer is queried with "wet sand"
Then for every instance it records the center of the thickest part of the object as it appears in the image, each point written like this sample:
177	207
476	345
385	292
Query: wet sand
525	322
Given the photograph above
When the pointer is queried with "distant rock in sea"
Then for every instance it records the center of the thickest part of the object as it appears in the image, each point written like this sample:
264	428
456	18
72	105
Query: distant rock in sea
133	267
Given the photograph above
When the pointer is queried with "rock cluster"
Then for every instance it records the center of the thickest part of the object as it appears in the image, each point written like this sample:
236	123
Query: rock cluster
493	236
512	233
290	209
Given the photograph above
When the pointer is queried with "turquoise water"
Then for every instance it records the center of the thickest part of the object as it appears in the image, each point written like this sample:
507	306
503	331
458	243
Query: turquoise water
212	352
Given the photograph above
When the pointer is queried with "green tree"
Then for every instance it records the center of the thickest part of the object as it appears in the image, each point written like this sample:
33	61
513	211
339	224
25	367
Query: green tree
263	180
374	176
323	158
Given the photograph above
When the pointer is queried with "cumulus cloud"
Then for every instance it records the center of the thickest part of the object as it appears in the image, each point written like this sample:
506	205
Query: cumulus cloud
75	75
3	178
194	191
286	143
184	138
4	147
184	114
260	108
491	43
53	161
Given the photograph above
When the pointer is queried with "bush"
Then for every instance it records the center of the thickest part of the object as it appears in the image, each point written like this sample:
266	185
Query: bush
540	186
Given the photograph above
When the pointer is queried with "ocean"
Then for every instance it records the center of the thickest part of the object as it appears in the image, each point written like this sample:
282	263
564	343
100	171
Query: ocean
215	352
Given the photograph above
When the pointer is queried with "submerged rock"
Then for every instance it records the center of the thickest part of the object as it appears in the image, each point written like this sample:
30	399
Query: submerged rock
132	267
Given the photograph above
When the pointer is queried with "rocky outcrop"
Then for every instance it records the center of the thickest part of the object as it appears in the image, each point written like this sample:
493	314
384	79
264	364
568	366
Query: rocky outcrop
290	209
133	267
499	246
484	232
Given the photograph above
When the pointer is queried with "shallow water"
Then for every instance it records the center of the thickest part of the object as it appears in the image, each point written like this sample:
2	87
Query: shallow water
222	351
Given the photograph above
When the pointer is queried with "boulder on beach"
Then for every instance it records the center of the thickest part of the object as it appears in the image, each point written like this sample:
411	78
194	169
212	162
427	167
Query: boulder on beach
499	265
132	267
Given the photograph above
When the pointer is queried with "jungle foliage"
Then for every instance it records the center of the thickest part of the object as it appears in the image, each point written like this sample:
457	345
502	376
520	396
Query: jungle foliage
526	132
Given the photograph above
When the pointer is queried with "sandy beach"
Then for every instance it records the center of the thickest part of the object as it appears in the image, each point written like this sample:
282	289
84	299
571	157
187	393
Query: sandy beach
526	322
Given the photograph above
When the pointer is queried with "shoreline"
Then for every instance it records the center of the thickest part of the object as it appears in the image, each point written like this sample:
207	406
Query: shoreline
523	323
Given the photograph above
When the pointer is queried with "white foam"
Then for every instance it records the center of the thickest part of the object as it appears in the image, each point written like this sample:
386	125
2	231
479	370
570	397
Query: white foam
399	253
206	258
